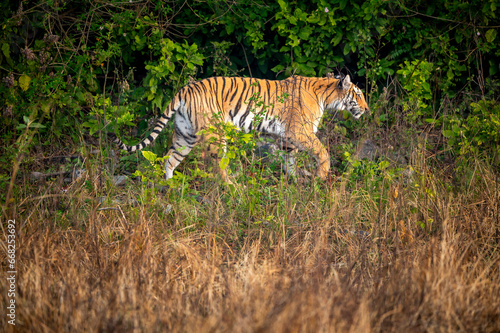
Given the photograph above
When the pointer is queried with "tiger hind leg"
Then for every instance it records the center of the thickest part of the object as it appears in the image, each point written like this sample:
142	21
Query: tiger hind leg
182	144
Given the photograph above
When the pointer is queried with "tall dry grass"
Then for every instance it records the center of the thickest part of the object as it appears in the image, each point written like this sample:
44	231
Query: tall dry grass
415	255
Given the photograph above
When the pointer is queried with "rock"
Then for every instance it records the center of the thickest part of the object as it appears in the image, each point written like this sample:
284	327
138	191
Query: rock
368	149
120	180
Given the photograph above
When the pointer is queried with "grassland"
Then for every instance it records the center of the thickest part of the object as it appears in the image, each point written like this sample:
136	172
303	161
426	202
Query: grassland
381	248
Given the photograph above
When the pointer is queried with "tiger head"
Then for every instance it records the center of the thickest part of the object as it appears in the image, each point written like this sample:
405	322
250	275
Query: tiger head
349	98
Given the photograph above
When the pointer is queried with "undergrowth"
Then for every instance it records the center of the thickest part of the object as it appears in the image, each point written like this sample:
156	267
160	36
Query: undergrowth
378	249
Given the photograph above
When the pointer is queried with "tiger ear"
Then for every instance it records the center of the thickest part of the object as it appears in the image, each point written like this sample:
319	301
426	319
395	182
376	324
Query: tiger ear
346	82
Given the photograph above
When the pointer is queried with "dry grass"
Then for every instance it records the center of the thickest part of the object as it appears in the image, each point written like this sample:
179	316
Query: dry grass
209	267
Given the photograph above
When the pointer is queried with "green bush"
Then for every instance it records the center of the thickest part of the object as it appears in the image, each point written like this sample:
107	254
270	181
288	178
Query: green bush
479	133
74	66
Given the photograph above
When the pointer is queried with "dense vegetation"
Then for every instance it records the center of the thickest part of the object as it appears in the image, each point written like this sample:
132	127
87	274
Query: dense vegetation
402	237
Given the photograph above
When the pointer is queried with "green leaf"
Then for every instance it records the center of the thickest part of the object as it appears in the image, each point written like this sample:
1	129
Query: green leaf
313	19
6	53
246	137
223	163
448	133
347	49
6	50
283	5
336	40
157	100
36	125
426	86
305	32
150	156
45	106
495	119
450	74
24	82
490	35
278	68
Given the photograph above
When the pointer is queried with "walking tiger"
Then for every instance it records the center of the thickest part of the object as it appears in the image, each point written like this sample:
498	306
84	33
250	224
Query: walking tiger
291	109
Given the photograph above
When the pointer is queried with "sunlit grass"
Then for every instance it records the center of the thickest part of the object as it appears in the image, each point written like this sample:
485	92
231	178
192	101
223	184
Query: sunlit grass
417	254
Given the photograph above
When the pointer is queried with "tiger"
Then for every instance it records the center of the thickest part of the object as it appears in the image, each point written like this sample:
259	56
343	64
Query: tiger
289	109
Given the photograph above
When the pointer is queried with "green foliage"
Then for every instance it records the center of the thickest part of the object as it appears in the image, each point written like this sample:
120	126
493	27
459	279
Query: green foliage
479	133
321	35
154	173
232	144
221	63
76	66
372	173
103	109
164	70
415	78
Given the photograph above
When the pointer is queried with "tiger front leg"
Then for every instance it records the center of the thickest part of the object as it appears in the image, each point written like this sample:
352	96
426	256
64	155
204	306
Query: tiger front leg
312	144
323	159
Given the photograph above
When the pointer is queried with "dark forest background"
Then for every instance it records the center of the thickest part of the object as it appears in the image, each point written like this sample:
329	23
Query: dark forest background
69	66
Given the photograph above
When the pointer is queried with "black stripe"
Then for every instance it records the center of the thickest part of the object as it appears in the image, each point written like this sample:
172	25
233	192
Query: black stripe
327	97
222	91
229	89
188	139
178	160
214	85
252	90
242	99
236	91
